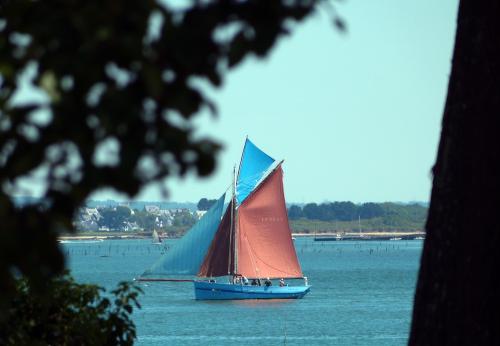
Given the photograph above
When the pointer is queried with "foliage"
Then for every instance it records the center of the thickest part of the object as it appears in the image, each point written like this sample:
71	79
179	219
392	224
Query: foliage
114	217
120	84
380	215
311	211
397	213
344	211
205	204
295	212
369	210
375	224
73	314
184	218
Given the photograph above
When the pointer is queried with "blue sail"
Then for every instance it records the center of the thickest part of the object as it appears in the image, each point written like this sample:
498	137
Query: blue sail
254	163
186	256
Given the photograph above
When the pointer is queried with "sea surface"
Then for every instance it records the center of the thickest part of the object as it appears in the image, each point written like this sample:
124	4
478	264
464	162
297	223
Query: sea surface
362	294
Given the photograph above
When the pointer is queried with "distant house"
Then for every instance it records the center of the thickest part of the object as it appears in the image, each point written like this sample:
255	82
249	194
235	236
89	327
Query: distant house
200	213
165	212
87	218
93	213
104	229
130	227
152	209
165	220
89	225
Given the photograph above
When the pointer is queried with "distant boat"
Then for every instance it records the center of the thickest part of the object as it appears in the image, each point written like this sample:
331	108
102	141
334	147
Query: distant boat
156	237
240	254
396	238
419	238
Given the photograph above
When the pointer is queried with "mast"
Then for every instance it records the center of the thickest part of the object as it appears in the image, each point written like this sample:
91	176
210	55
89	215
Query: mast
233	225
232	221
234	246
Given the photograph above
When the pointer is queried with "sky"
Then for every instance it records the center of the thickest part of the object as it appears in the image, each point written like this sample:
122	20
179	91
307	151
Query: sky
355	116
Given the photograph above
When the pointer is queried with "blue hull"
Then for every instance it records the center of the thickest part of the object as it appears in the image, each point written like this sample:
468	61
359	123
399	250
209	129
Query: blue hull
204	290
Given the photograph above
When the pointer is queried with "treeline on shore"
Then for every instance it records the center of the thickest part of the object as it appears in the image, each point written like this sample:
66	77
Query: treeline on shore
307	218
348	217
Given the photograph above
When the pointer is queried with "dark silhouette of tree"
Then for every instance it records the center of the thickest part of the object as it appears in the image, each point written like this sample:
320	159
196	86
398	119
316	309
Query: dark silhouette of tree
391	214
457	300
144	220
369	210
345	211
74	314
184	218
311	211
326	212
295	212
121	84
205	204
114	218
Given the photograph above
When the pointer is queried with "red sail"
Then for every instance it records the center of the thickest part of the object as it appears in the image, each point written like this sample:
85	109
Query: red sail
265	245
217	257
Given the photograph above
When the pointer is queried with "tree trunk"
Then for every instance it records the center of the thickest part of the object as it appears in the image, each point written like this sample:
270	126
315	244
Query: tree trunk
457	299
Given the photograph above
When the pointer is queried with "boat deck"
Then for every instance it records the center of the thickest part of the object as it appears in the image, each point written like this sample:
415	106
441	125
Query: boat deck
205	290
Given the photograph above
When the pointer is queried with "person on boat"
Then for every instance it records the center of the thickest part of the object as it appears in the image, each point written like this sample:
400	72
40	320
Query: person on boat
254	282
245	280
282	282
268	282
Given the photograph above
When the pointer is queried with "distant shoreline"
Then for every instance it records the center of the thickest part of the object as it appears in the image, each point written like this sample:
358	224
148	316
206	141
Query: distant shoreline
364	233
119	236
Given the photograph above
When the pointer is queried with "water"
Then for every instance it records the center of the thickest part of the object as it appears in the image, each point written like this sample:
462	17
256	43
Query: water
361	294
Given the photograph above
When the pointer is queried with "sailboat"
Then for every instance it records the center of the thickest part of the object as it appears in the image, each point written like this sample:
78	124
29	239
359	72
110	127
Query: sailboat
237	251
156	237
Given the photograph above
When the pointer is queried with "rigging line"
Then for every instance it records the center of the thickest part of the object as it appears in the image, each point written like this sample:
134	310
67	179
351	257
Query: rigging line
257	179
256	175
228	187
251	179
241	159
253	176
261	183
